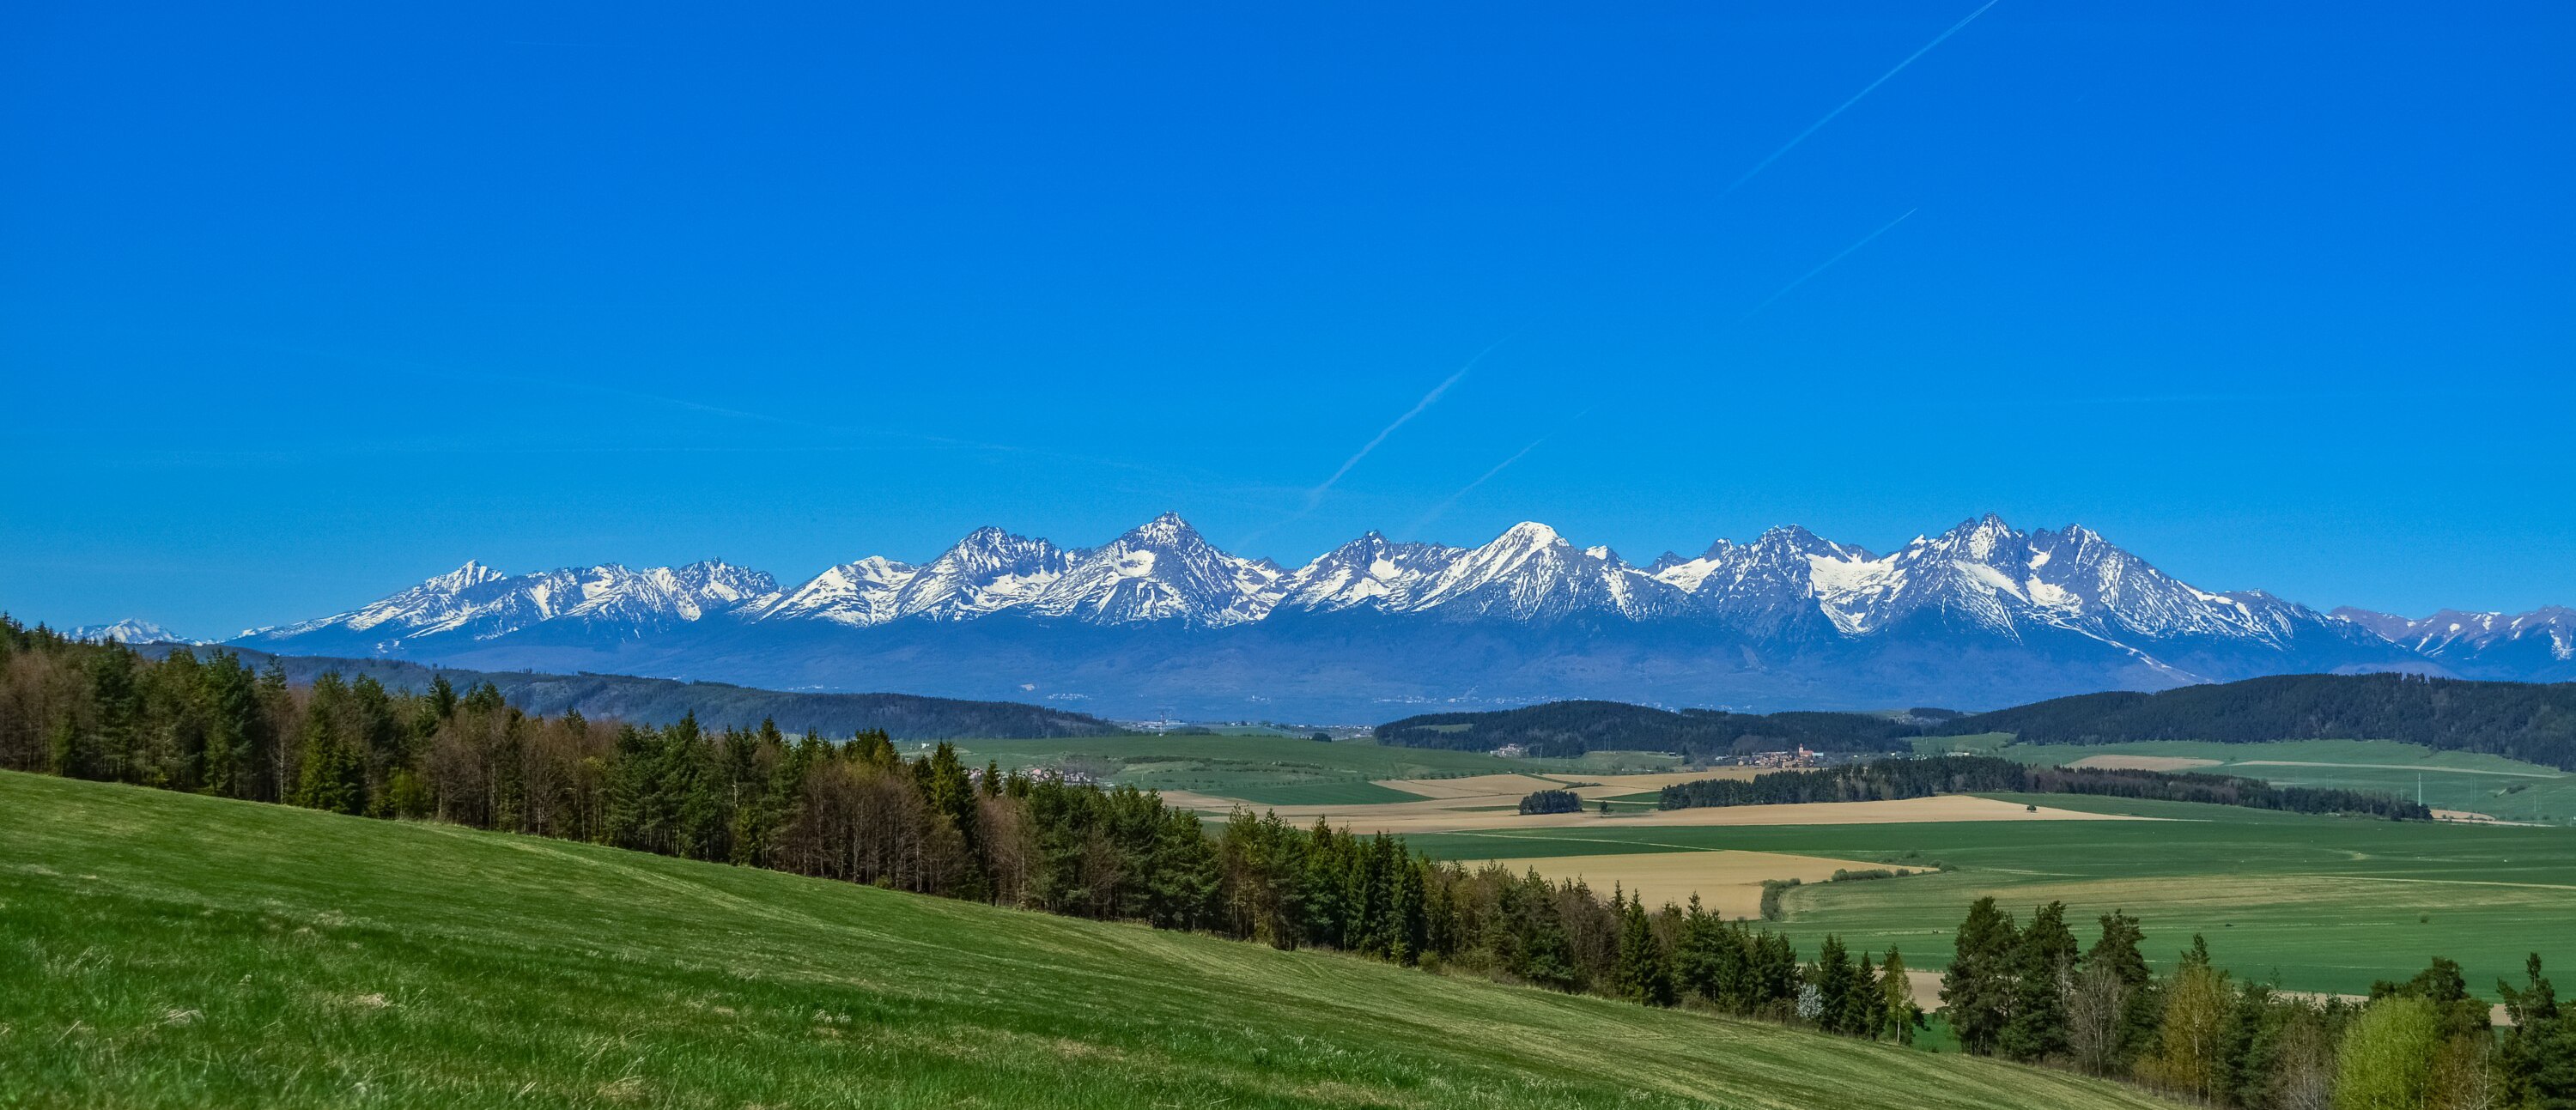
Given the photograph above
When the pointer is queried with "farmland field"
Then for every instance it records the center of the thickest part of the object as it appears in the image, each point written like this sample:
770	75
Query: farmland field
1262	770
2324	903
168	949
2493	785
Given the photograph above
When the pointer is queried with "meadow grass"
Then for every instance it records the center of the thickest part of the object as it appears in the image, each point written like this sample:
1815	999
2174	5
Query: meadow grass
2319	903
160	949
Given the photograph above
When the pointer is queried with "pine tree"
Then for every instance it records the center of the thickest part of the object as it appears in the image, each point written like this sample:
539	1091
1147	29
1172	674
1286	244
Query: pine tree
1860	1009
2043	967
2538	1056
1642	974
1977	991
1832	977
330	773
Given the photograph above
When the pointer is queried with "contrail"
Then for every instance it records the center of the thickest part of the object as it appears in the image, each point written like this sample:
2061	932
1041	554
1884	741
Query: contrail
1827	264
1481	479
1470	487
1785	148
1315	495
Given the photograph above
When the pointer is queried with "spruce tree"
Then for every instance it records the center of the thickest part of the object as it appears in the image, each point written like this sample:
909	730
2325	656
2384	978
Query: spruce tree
1860	1007
2538	1056
1977	990
1832	977
2043	966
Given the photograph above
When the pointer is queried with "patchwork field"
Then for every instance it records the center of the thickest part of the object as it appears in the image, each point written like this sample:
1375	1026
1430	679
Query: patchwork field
1257	769
2322	903
162	949
1728	883
2468	782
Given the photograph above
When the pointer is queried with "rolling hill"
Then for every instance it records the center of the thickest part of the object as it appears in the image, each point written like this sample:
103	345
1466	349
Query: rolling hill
168	949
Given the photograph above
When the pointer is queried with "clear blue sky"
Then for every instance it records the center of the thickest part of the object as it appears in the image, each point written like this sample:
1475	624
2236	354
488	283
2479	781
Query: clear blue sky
299	305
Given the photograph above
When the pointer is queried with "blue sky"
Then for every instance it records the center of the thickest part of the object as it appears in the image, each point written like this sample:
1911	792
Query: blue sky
299	305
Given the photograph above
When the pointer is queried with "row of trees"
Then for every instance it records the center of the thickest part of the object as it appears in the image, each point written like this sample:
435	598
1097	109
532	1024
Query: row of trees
1570	728
860	811
2527	721
1964	774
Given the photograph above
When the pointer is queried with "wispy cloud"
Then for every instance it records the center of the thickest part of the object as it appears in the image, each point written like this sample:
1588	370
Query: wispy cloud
1316	495
1839	109
1825	265
1445	503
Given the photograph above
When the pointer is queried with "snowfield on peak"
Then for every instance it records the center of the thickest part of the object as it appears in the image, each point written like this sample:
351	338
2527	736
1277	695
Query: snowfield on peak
1975	614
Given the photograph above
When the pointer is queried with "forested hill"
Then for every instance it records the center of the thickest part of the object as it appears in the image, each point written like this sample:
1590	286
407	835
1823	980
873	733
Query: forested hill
660	701
1570	728
2534	723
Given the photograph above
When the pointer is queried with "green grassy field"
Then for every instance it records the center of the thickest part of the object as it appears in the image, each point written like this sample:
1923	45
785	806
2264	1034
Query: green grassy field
1263	770
2508	789
167	949
2323	903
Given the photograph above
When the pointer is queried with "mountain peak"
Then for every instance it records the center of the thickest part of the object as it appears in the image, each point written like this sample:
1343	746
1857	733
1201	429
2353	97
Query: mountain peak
1168	528
131	630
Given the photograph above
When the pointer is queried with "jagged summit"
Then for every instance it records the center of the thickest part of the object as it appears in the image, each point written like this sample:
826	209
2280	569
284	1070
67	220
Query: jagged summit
1980	594
131	630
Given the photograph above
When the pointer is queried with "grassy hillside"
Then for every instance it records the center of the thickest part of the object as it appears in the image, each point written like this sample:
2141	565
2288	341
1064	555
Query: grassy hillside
2327	903
164	949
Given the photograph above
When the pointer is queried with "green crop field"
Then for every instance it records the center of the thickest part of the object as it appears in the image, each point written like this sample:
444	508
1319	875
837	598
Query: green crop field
2508	789
2323	903
168	949
1265	770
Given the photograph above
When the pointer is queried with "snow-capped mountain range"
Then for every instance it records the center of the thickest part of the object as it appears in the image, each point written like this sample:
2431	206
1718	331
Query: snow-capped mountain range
1980	614
129	631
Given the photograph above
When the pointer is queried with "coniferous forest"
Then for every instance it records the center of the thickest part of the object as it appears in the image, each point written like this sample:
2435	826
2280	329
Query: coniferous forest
2532	722
857	810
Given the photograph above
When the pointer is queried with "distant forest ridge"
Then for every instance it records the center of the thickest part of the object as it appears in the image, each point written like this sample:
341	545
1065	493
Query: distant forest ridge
1891	779
1565	729
662	701
2532	723
2529	722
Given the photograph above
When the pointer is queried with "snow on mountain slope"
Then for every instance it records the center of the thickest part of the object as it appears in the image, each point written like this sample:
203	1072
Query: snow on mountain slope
1161	570
132	630
1981	595
2454	634
1780	572
1371	571
858	594
1531	573
476	602
988	571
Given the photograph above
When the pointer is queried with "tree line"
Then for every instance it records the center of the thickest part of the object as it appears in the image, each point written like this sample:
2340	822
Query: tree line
858	810
663	700
2534	723
1886	779
2031	992
1566	729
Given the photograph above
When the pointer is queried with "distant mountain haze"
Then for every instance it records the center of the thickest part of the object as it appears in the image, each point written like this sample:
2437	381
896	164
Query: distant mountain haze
1979	616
